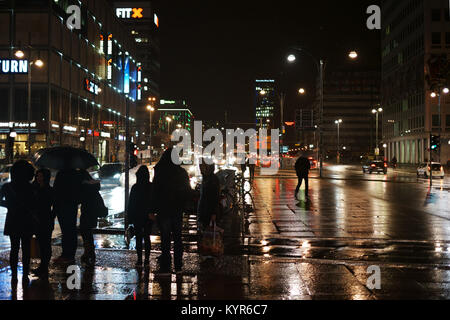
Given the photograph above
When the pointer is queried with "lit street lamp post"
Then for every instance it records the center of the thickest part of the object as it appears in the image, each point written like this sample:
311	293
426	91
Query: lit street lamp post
38	63
169	120
338	123
376	112
321	67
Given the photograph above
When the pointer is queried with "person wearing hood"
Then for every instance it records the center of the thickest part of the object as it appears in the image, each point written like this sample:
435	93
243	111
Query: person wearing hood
45	218
91	201
19	198
140	213
171	191
208	208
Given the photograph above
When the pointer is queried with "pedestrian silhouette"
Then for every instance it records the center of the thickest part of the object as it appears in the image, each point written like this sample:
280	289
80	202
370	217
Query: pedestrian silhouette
67	188
91	206
302	167
18	197
172	190
140	213
208	206
45	219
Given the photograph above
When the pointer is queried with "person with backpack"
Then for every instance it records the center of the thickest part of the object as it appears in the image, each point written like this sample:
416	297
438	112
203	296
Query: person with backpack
92	207
302	167
171	191
140	213
45	218
19	198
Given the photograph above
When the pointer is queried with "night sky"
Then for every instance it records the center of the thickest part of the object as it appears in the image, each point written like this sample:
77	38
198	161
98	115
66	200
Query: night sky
211	51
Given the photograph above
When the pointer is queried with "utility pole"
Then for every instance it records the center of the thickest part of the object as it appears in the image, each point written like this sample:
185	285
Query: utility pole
321	119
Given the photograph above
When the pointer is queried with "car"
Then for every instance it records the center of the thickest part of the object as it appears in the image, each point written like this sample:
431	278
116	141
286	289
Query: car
377	166
424	170
132	175
110	173
5	176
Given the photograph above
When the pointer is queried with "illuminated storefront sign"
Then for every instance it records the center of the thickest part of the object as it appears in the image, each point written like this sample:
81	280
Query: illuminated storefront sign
105	135
8	66
69	128
91	86
17	125
130	13
109	70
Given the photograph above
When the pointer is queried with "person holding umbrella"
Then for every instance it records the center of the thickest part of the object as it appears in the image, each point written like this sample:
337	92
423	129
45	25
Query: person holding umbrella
67	188
18	197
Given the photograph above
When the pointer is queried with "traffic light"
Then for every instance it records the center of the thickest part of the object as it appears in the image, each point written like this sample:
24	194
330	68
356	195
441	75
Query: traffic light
435	142
132	153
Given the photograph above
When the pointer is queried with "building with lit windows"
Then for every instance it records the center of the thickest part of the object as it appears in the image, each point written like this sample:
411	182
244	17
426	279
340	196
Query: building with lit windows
265	103
79	95
414	34
142	22
179	114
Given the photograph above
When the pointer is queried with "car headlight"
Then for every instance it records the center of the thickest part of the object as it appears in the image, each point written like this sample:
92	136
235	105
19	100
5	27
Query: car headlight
95	176
117	176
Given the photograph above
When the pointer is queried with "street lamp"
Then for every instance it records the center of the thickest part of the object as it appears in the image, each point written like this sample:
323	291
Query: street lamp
353	55
338	123
320	67
38	63
169	120
301	91
377	112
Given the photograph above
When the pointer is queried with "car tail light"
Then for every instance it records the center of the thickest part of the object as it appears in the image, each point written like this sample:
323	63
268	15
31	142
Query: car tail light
373	166
385	165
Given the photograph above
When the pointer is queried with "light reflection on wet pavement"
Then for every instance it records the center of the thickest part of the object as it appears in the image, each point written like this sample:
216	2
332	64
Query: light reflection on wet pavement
317	249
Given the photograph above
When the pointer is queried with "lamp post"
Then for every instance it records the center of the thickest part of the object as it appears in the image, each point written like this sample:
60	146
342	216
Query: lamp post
338	123
169	120
38	63
441	90
376	112
150	109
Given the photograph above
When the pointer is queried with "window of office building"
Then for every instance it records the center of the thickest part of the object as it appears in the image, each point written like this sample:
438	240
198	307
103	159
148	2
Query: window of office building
435	120
436	38
4	98
436	14
20	104
447	38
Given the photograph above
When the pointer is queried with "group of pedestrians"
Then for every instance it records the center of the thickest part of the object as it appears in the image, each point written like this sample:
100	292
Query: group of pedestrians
33	206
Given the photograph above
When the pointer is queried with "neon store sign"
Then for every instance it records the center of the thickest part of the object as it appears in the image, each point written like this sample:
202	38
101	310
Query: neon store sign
130	13
8	66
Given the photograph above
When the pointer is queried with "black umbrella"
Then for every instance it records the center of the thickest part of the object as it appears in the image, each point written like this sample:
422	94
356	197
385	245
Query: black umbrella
64	158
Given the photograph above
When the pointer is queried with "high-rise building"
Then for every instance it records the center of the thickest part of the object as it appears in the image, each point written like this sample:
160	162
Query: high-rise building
142	21
79	94
348	96
179	114
265	102
414	34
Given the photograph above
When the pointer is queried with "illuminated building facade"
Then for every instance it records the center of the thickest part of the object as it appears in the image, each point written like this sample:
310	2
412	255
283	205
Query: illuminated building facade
79	95
265	102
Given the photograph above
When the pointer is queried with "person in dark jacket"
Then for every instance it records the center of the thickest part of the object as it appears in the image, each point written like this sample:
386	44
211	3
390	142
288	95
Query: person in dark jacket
45	219
302	167
171	192
67	189
90	205
140	213
18	197
208	208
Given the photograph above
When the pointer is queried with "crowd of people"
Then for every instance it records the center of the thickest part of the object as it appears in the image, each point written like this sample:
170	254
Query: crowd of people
33	205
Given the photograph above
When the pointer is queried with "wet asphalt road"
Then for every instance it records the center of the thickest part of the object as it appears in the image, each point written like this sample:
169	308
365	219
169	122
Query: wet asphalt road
294	249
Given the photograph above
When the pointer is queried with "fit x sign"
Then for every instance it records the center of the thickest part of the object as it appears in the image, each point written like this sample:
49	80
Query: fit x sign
130	13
